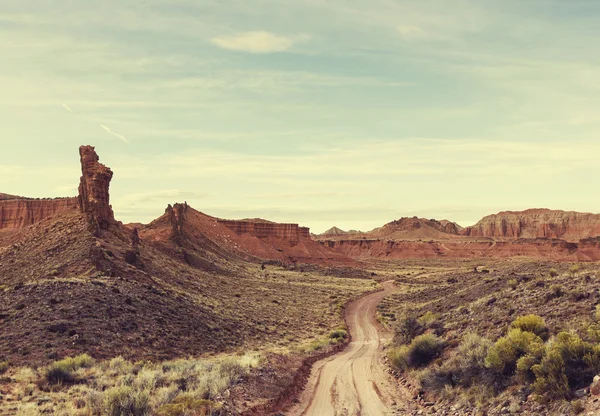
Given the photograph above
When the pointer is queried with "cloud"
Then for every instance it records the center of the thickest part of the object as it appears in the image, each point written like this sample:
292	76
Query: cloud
66	107
410	31
109	131
254	42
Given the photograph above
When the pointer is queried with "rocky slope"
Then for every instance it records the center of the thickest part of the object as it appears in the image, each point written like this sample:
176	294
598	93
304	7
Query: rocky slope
537	223
79	281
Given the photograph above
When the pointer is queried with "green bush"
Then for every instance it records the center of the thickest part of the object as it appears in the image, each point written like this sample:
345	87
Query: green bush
503	355
550	376
569	363
532	323
61	371
553	273
420	352
126	401
338	335
574	269
513	283
3	367
407	328
470	358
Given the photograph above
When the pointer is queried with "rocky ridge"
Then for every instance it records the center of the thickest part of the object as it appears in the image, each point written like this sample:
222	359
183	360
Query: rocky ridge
537	223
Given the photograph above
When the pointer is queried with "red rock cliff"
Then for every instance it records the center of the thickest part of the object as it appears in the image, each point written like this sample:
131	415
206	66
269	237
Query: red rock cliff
263	229
21	212
93	188
537	223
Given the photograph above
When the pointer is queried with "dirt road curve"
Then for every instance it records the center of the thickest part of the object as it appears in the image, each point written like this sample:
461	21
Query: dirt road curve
353	382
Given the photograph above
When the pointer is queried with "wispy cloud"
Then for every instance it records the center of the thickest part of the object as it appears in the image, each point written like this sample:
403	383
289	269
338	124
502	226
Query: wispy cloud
254	42
411	32
109	131
66	107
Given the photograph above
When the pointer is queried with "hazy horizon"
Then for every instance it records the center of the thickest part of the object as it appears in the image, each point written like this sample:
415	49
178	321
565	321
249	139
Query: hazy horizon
315	112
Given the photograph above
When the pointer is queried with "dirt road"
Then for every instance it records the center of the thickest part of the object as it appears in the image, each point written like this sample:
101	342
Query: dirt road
353	382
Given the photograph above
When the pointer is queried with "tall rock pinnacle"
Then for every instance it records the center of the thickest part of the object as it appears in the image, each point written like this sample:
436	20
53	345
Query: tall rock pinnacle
93	189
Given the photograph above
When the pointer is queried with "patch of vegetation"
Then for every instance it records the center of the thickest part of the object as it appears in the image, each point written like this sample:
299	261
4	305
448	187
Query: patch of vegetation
3	367
186	404
556	291
406	329
338	335
61	372
421	351
532	323
568	363
428	319
123	388
553	272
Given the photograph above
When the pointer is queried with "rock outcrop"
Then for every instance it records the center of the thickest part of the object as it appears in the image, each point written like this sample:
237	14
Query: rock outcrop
93	189
176	215
16	212
537	223
265	229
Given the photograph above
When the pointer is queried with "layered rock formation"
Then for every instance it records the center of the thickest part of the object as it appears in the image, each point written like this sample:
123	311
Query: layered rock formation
537	223
539	248
93	189
264	229
22	212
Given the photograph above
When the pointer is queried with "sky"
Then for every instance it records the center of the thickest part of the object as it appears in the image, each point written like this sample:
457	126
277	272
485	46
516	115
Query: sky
320	112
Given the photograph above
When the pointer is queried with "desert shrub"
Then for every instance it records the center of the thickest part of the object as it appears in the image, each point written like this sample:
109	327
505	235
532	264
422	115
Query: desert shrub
503	355
316	345
61	371
94	401
185	405
420	352
469	362
556	291
553	273
428	319
119	366
574	269
3	367
513	283
597	313
338	335
532	323
56	374
569	363
550	376
126	401
82	361
407	328
465	369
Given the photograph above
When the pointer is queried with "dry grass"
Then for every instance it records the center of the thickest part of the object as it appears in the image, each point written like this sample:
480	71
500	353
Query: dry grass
120	387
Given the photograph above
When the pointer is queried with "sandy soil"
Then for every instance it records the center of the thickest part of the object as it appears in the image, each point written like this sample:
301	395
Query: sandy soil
353	382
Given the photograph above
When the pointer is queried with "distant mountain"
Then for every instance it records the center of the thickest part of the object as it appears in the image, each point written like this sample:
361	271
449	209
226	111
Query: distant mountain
334	231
